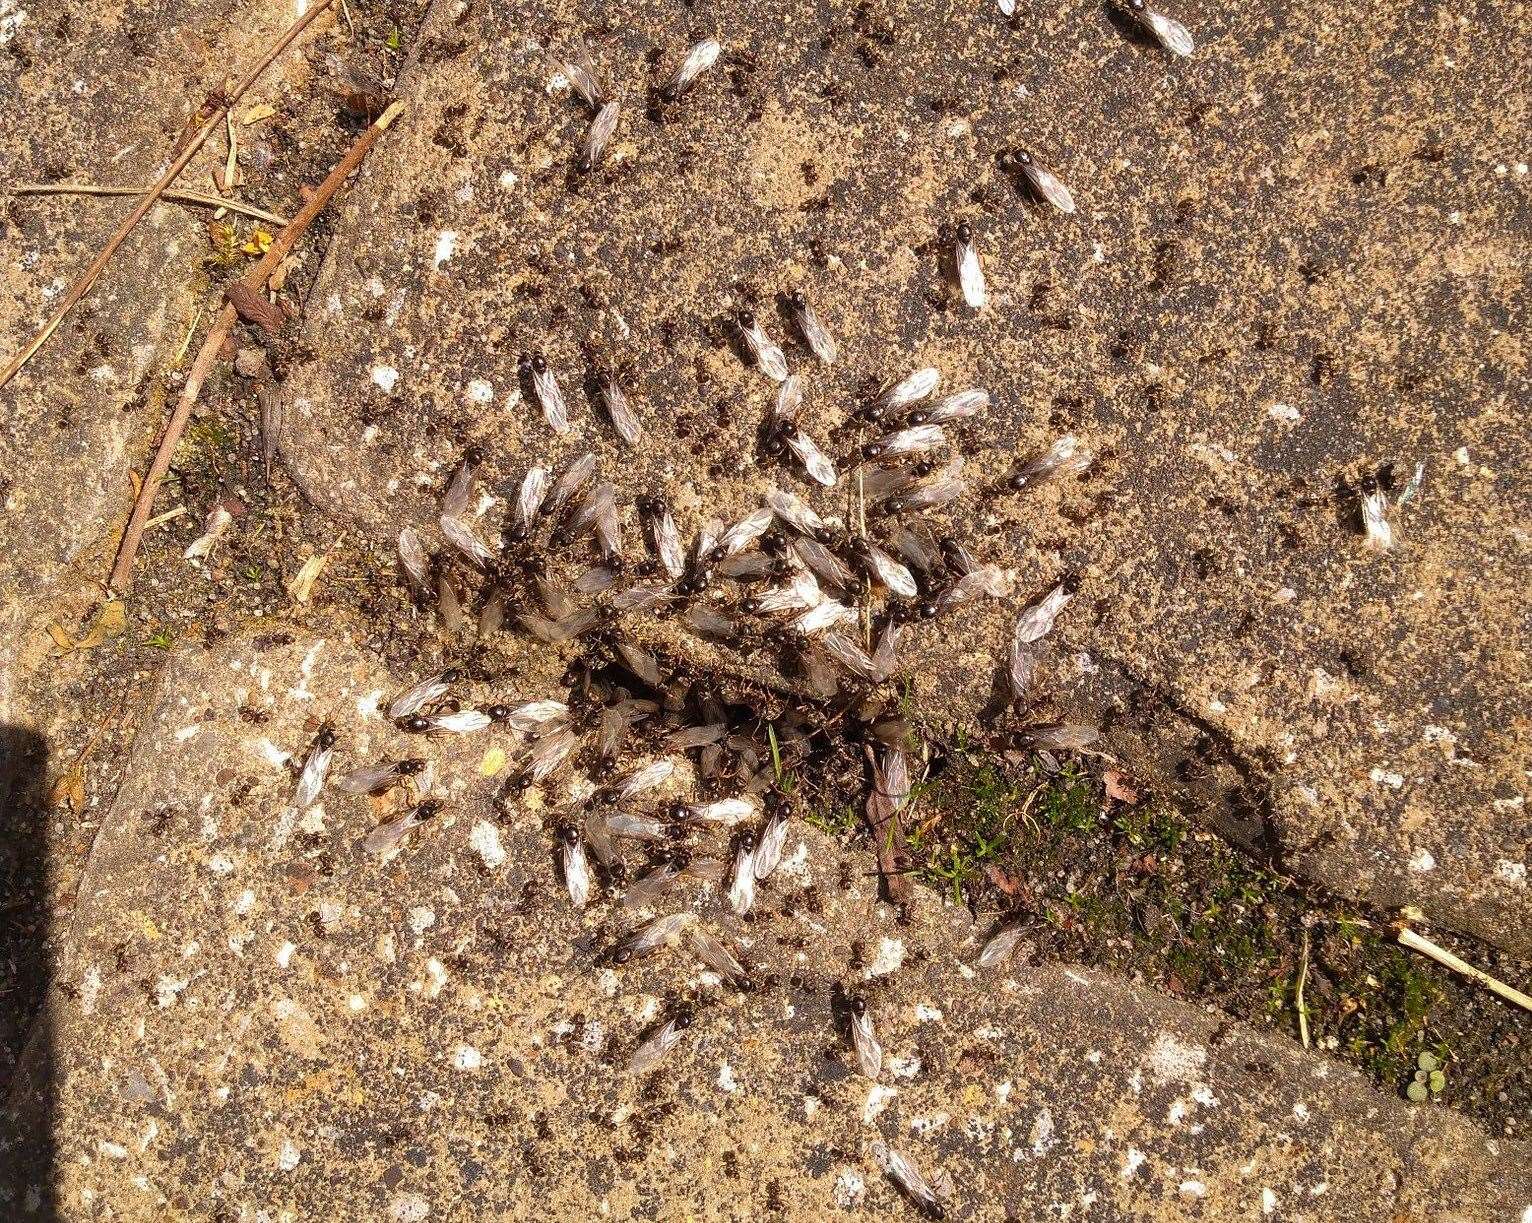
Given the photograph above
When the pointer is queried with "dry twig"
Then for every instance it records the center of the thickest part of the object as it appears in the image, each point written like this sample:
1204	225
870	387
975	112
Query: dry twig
1303	978
249	287
87	278
1441	955
203	199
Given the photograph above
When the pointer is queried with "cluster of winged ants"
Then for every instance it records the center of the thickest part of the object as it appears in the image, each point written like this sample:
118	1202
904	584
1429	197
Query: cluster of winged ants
646	750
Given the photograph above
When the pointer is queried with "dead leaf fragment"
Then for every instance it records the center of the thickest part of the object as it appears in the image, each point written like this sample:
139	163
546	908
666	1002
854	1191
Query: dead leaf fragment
256	113
302	585
1006	882
69	790
110	620
253	306
1120	786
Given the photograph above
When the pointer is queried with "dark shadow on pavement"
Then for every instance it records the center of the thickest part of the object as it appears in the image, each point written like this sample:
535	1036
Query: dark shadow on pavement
26	1047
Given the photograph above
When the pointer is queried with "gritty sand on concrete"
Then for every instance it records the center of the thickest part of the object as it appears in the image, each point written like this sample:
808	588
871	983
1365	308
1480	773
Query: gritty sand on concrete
1291	266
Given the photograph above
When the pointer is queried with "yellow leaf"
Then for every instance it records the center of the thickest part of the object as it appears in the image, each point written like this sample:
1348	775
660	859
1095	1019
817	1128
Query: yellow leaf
111	620
493	762
258	243
69	790
256	113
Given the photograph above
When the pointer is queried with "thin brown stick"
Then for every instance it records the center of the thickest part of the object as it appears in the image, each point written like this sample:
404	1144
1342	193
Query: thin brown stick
207	357
176	197
82	286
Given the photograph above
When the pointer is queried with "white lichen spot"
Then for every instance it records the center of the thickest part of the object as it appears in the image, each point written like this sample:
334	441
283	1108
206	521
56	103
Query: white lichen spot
1133	1162
1195	1189
1386	777
795	866
1041	1137
1301	1111
421	919
1171	1059
409	1208
903	1067
507	179
12	18
929	1125
289	1155
467	1058
446	246
90	987
480	391
168	989
436	978
726	1080
1003	1091
1514	873
1268	1201
850	1188
877	1100
926	1013
386	377
284	955
188	732
890	956
485	840
1284	412
1422	860
112	1150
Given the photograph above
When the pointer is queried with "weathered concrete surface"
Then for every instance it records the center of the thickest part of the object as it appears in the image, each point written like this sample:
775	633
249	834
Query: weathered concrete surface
257	1021
1290	265
99	93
